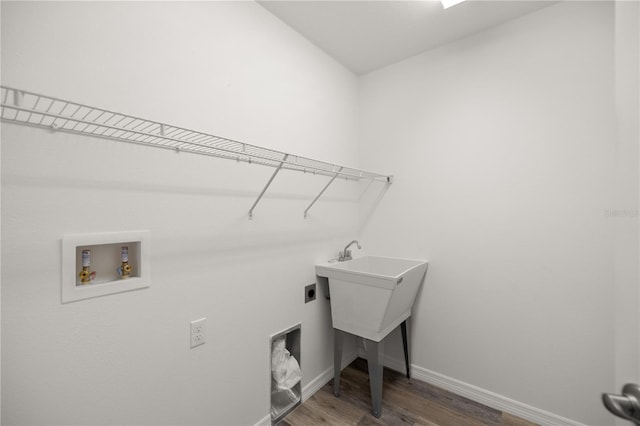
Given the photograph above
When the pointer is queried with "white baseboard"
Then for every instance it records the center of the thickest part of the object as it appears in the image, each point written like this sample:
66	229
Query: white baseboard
265	421
315	385
488	398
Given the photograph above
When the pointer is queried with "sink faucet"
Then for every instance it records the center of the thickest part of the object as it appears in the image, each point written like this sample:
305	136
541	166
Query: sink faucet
346	253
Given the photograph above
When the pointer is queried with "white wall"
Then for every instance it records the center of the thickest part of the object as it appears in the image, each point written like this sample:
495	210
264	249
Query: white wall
228	68
503	145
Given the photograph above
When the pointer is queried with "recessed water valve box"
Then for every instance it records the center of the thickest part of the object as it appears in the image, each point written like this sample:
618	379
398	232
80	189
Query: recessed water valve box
104	263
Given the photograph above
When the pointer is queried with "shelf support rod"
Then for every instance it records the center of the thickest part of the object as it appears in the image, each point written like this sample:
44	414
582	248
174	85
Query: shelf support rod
267	185
322	192
18	97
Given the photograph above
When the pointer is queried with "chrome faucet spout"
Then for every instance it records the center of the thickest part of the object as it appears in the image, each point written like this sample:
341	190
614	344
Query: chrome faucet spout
346	253
352	243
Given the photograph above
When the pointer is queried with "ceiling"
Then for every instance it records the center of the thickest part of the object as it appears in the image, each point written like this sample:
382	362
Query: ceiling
366	35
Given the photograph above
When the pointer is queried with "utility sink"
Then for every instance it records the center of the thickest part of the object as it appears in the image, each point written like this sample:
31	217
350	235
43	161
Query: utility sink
372	295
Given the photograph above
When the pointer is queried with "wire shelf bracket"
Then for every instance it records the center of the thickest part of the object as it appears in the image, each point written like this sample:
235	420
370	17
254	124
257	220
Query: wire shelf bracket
32	109
322	192
267	186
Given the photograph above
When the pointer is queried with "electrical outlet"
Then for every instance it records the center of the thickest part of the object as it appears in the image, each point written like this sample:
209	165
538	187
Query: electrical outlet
198	332
310	293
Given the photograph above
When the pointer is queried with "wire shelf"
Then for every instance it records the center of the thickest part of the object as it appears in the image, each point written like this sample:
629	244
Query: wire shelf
28	108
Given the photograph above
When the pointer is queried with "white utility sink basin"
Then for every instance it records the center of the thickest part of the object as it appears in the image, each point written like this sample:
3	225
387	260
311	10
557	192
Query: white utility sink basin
372	295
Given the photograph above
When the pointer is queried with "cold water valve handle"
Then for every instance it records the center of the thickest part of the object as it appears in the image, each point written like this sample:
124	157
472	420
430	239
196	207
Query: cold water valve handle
626	405
85	274
125	269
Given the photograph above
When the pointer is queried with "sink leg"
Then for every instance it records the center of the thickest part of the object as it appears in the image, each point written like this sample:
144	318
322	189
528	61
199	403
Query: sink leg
338	338
375	351
405	345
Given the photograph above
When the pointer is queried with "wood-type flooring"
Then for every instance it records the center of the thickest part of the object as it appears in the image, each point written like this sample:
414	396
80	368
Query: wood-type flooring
404	403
